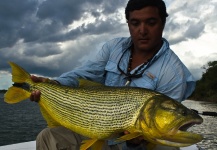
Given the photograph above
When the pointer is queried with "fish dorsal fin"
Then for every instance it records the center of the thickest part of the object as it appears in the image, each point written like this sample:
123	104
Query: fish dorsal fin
88	83
50	121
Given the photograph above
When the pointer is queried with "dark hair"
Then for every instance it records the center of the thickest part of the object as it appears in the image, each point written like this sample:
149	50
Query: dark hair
139	4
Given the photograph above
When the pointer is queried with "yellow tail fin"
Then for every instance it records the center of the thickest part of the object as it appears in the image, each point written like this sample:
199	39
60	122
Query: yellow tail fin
19	75
17	94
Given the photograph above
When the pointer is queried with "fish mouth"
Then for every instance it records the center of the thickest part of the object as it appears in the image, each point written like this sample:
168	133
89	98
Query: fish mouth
187	125
180	137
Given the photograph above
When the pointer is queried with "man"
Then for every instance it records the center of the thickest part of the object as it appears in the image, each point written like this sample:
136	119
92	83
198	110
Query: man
142	60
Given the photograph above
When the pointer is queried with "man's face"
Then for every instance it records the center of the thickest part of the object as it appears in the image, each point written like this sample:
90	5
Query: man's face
146	28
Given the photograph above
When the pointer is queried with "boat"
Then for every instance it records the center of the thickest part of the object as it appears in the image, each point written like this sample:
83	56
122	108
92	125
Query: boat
31	145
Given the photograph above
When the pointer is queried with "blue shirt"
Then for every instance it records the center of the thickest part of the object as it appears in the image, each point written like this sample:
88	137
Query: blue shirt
165	73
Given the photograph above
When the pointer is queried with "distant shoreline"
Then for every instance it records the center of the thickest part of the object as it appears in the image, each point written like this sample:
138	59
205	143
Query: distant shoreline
3	91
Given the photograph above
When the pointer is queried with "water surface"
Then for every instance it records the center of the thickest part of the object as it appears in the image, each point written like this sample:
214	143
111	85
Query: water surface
209	126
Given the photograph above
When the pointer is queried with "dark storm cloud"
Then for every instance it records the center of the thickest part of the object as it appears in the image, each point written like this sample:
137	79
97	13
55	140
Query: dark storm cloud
195	30
98	27
32	21
67	11
13	16
186	20
33	30
182	31
44	50
64	11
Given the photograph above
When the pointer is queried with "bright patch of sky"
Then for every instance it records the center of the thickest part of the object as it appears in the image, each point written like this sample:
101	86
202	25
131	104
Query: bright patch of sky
5	79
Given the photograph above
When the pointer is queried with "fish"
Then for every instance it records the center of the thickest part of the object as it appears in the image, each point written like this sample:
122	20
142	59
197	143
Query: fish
103	113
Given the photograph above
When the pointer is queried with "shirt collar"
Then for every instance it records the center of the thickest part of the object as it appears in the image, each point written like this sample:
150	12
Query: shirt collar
126	45
163	49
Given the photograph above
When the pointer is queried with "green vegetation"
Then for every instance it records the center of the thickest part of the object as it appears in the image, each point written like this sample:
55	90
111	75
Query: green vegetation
206	87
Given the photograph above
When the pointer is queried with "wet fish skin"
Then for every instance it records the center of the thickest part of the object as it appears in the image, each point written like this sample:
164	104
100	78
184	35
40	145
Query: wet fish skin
101	112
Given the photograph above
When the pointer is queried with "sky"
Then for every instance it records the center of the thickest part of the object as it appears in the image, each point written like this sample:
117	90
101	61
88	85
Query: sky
50	37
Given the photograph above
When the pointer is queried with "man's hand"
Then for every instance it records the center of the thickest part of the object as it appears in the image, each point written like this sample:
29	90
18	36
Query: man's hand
35	95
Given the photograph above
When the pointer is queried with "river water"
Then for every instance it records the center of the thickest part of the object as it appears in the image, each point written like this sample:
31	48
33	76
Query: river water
23	121
19	122
209	126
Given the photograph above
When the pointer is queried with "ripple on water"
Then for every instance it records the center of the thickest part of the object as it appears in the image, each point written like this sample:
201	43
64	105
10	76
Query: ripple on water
209	126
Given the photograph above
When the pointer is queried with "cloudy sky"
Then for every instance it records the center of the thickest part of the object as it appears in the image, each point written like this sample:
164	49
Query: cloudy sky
50	37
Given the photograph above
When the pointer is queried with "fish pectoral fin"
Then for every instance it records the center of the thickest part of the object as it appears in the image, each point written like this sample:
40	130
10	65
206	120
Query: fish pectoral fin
98	145
15	95
129	136
87	144
50	121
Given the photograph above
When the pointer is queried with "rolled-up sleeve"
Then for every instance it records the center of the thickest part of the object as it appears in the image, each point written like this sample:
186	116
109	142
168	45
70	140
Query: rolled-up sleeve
93	69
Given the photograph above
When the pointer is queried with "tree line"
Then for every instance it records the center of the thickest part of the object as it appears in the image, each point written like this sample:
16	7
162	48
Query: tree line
206	87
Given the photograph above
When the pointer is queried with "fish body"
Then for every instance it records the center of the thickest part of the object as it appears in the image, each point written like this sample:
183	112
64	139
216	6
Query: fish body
102	113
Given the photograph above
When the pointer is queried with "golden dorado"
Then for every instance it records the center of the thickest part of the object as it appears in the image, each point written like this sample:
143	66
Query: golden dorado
102	113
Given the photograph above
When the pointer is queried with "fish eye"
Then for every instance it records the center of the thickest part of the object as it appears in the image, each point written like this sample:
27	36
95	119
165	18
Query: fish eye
184	112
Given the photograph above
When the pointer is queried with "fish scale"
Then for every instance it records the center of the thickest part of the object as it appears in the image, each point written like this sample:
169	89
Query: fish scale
94	108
